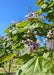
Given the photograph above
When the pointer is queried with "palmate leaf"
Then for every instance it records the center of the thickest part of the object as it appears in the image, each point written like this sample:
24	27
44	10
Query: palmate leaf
24	58
20	30
37	66
25	50
8	57
36	24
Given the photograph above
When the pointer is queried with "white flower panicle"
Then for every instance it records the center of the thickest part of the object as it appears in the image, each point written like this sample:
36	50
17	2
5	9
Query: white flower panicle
50	33
33	15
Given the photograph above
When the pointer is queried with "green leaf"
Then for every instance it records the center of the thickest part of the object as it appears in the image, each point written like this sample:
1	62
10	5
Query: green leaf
44	6
31	67
9	25
24	29
8	57
45	55
51	24
37	65
24	50
1	52
15	37
14	32
22	24
18	61
40	19
53	54
36	25
39	3
19	48
24	58
7	30
39	11
15	45
51	4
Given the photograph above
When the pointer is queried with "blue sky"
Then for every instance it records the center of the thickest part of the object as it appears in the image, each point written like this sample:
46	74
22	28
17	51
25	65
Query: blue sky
12	10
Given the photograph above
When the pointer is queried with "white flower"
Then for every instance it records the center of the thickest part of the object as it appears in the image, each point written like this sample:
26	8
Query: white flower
53	32
28	31
24	35
28	39
12	22
38	41
45	39
27	35
25	45
52	28
10	31
8	45
42	16
14	32
22	41
35	31
49	34
27	15
25	41
50	31
36	35
36	15
13	28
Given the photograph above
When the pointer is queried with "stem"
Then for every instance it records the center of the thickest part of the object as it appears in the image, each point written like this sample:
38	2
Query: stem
51	55
5	69
10	62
